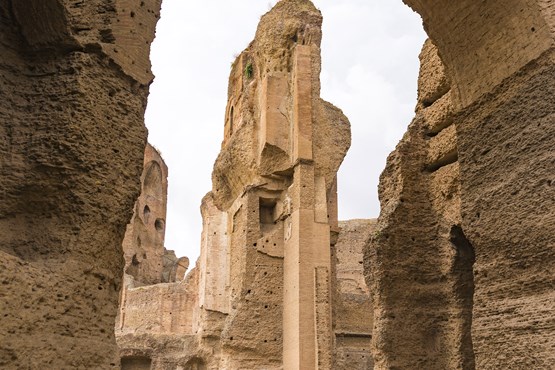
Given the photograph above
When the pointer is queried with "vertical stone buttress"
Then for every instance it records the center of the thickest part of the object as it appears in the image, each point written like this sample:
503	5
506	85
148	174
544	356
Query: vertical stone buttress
307	307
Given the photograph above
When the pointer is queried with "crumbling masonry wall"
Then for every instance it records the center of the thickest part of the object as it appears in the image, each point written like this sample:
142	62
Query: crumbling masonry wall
74	79
425	262
471	251
149	303
352	320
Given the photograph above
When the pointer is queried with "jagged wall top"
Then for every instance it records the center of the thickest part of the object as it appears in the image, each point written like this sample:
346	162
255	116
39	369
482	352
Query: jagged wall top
267	122
289	23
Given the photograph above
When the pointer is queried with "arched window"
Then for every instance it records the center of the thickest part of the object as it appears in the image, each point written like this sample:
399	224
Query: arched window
231	111
152	184
195	363
135	363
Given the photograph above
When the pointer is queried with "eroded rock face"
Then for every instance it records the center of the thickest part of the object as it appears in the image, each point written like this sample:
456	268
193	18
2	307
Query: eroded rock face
507	159
73	80
420	262
458	261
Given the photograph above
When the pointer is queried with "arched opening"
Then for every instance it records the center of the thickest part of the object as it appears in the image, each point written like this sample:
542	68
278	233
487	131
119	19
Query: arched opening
146	215
136	363
152	185
495	40
231	113
195	363
160	224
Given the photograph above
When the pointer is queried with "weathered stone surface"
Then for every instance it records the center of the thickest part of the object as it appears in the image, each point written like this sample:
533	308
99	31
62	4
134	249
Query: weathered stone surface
146	259
460	262
353	320
261	296
419	263
483	43
507	159
71	145
458	267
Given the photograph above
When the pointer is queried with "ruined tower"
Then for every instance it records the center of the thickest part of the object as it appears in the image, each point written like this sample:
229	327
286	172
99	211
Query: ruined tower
262	292
275	184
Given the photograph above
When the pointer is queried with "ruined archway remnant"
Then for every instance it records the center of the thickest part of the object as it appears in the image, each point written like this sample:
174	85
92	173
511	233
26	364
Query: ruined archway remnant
147	302
144	238
482	43
478	154
74	82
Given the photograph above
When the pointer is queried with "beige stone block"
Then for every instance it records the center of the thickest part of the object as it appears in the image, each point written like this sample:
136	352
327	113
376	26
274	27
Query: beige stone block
214	259
433	82
302	103
320	200
274	121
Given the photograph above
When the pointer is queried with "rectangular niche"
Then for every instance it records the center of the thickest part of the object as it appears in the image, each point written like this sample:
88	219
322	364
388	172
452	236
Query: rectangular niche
267	213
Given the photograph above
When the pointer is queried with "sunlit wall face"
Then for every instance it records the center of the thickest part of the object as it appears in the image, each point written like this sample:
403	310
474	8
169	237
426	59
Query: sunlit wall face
370	67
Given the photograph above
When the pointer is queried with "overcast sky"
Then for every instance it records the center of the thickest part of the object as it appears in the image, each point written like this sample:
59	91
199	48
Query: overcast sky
369	70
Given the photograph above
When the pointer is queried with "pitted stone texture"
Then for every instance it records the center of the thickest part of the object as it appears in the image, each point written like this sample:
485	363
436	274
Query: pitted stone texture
70	159
508	210
265	69
478	56
353	318
418	262
265	271
464	236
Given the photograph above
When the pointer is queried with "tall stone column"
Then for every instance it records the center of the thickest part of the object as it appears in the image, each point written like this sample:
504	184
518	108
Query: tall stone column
307	311
276	179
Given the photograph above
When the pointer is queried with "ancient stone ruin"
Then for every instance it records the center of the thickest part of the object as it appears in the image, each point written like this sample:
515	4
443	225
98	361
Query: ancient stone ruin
456	273
262	294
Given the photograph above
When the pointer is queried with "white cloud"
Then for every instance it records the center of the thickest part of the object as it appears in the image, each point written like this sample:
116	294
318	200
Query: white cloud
370	67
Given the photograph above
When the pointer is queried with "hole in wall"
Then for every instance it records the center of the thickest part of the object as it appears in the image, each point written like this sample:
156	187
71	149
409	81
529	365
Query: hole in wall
159	224
267	209
463	273
146	214
196	363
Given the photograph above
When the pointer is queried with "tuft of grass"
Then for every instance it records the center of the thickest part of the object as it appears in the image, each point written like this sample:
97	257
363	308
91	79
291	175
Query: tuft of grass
249	70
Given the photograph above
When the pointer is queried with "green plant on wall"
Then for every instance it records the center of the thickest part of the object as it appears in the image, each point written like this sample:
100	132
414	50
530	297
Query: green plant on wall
249	70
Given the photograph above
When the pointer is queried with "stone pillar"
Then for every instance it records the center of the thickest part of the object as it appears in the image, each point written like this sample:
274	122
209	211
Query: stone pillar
307	312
